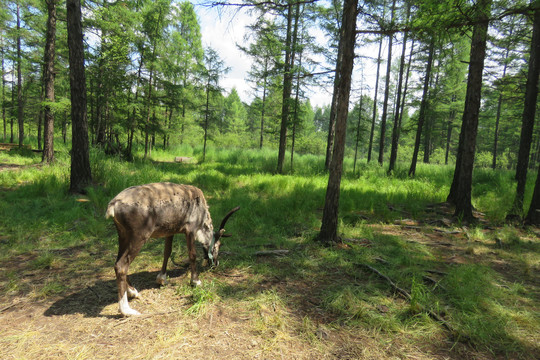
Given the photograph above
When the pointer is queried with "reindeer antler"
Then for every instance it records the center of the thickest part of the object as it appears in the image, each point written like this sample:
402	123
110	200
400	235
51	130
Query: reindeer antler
224	221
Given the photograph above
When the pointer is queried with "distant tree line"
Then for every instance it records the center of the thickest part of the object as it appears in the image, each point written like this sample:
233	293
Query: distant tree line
456	82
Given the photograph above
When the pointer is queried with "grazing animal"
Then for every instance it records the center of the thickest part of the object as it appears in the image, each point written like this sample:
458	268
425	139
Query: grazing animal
161	210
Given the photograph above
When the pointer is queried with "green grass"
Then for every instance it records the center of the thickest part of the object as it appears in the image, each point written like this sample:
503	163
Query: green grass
42	223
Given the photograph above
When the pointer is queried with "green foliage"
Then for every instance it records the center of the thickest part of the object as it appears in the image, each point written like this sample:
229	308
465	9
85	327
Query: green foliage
58	231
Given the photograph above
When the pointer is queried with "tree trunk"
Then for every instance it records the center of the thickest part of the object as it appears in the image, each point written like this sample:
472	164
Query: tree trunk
332	120
531	94
295	113
287	88
397	124
20	109
81	175
3	91
374	118
428	125
358	130
386	90
263	102
533	216
148	111
329	224
450	123
498	117
206	116
460	191
423	107
48	82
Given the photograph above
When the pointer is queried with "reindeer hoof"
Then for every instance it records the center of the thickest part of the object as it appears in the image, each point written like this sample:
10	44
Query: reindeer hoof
129	312
161	279
132	293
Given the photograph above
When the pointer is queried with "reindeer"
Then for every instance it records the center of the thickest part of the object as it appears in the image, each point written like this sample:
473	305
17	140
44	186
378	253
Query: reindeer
161	210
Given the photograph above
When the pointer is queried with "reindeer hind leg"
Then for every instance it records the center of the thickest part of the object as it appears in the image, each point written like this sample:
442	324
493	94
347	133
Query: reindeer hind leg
127	251
162	276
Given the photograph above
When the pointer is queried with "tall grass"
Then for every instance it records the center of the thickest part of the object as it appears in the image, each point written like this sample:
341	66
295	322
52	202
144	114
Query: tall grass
283	211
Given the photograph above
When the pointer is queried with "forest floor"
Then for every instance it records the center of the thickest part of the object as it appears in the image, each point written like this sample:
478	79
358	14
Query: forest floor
83	322
474	292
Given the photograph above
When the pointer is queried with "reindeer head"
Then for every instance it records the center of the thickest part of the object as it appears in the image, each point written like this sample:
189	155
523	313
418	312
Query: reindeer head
215	244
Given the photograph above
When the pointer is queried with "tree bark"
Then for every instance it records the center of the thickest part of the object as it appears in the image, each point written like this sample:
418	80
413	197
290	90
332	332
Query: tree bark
533	215
423	107
48	82
332	120
374	117
450	123
460	191
263	105
81	175
498	117
3	90
386	90
358	130
397	124
329	224
20	109
531	94
287	89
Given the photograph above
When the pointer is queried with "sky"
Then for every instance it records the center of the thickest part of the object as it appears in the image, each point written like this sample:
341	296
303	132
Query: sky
223	30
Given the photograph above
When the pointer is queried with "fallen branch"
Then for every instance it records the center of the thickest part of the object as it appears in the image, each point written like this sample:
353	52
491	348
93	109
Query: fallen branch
9	306
401	291
272	253
448	232
407	296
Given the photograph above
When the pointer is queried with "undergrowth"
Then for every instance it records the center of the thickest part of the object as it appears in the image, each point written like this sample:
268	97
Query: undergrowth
489	310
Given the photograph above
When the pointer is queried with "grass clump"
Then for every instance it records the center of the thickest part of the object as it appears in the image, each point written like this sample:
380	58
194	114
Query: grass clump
483	284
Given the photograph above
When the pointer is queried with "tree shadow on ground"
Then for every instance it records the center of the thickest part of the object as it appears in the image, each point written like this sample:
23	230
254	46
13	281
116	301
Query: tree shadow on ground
91	300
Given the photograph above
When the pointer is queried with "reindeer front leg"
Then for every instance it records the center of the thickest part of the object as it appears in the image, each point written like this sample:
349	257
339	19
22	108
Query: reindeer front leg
192	252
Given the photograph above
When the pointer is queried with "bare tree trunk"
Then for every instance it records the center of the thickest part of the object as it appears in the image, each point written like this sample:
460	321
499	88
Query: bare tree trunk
374	118
263	102
295	113
48	81
206	116
148	109
533	215
332	120
3	91
451	118
386	90
428	125
81	175
358	130
498	118
397	115
460	191
423	107
287	85
347	40
529	111
20	110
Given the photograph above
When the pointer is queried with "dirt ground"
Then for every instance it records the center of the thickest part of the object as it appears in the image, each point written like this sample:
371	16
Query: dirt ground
83	323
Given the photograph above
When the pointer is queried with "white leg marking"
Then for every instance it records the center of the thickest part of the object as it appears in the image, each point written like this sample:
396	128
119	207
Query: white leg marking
161	279
124	307
132	293
196	282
